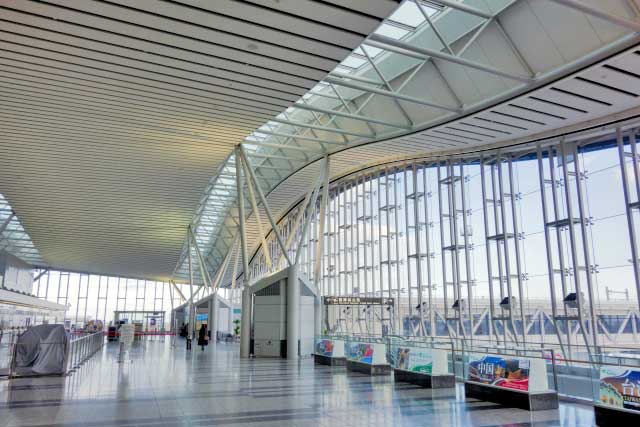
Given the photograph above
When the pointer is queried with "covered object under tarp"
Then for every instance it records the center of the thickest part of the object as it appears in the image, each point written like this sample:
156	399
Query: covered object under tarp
42	350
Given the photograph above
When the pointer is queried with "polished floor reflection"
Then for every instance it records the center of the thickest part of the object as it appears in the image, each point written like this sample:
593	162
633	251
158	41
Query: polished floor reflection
165	386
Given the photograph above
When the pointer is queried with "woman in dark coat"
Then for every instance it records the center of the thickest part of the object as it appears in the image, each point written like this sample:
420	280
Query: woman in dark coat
203	336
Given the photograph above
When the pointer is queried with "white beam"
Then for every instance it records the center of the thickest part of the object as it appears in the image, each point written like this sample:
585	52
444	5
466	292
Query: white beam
348	115
256	213
263	200
321	128
388	43
394	95
309	209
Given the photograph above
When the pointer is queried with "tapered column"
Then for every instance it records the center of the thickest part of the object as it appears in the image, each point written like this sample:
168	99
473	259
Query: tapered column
245	319
293	312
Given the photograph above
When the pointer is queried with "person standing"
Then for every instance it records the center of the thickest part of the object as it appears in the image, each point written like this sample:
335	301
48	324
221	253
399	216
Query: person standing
203	336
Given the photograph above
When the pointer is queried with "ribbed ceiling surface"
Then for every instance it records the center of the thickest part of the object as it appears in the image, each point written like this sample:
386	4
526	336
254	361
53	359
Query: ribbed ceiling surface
115	114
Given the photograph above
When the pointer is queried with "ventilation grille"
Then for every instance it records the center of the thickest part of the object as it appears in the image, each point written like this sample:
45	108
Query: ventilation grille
272	290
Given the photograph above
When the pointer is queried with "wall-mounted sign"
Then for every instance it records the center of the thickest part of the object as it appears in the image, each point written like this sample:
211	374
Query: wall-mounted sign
620	387
358	301
504	372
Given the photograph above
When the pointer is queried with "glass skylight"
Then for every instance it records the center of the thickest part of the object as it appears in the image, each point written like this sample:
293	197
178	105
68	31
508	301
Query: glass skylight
392	31
406	20
409	14
13	238
354	61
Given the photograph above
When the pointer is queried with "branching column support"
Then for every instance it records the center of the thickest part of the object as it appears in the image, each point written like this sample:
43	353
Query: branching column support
241	152
245	322
317	273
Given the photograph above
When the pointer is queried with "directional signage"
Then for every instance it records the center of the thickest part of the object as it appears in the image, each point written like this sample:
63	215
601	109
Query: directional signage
358	301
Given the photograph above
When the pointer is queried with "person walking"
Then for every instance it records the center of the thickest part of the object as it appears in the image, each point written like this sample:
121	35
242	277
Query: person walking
203	336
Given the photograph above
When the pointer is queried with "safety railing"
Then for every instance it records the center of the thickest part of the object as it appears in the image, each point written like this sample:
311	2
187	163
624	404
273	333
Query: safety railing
8	339
82	348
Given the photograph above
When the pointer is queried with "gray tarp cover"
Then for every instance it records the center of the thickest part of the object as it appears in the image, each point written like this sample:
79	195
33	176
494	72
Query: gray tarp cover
42	349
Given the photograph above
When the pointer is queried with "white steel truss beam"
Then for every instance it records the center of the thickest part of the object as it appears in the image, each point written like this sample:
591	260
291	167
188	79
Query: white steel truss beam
263	200
322	128
391	94
348	115
388	43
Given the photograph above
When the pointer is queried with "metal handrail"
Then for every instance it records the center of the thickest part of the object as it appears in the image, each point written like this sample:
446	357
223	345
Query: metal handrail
82	348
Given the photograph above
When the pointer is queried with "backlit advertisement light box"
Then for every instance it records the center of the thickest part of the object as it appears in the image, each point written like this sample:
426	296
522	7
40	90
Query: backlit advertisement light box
528	375
619	388
421	360
330	347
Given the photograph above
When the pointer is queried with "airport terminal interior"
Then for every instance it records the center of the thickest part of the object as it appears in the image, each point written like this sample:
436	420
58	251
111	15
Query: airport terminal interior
319	212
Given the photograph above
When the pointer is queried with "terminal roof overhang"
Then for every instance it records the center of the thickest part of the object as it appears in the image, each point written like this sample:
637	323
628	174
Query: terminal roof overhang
481	55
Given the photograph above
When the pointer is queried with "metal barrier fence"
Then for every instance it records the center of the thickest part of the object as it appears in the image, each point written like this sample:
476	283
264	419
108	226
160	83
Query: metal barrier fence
82	348
8	339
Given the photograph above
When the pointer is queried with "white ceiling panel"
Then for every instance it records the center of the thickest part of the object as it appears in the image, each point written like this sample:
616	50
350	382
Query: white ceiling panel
114	115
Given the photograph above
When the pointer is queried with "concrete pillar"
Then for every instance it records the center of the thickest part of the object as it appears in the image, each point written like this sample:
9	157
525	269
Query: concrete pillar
191	320
213	318
245	322
230	321
293	312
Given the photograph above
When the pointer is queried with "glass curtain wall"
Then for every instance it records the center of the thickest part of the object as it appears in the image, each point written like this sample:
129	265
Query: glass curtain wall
95	297
519	246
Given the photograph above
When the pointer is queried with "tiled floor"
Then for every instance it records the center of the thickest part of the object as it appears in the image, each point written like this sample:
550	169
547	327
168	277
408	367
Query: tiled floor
164	386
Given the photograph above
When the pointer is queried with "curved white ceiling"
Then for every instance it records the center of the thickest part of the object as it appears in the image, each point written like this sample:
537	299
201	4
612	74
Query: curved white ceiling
115	114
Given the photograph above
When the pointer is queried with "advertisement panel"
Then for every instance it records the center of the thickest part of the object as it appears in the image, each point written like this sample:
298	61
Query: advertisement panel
505	372
620	387
414	360
361	352
324	347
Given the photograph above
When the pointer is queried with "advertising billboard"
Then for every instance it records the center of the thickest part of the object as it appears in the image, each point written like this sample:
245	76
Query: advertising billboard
504	372
361	352
414	360
619	388
324	347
